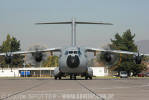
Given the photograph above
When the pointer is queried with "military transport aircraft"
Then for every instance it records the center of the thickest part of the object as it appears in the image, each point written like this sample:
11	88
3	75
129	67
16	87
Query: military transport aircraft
73	59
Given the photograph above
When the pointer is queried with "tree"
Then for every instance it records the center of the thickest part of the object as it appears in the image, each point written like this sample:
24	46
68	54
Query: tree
11	44
52	61
126	43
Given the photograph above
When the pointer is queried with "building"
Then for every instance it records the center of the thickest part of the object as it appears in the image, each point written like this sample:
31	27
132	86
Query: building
42	72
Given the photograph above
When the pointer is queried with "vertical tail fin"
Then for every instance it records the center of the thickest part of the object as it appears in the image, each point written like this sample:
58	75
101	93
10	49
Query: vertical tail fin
73	25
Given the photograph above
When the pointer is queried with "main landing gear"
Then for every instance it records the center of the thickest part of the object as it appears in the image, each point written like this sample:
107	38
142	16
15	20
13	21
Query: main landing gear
57	77
86	77
73	77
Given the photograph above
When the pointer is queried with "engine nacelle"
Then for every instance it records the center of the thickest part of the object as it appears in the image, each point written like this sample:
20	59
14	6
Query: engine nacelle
38	56
8	58
108	58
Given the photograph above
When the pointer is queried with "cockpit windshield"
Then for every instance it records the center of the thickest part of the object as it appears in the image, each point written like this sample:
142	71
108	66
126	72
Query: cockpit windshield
72	52
75	52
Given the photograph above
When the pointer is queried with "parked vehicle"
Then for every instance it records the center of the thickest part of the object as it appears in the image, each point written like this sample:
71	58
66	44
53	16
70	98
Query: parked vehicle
147	74
123	74
115	76
141	75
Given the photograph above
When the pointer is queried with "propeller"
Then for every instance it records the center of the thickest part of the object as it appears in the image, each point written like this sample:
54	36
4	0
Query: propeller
109	58
37	57
8	58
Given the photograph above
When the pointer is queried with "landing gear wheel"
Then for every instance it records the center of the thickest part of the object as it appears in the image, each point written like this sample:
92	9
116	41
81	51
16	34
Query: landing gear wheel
90	78
55	78
86	77
70	77
59	77
74	77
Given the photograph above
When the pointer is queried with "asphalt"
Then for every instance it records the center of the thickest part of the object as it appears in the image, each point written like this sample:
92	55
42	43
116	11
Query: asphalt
96	89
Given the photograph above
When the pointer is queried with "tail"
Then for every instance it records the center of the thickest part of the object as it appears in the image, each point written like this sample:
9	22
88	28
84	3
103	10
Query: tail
73	25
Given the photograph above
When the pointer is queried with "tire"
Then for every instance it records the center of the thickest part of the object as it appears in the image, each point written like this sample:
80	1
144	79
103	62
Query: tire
70	77
59	77
86	77
74	77
90	78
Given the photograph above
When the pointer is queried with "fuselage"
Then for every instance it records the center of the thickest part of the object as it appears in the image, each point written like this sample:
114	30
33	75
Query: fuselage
73	60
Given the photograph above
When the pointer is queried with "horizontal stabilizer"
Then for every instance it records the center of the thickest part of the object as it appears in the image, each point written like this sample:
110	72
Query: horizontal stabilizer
56	23
94	23
77	23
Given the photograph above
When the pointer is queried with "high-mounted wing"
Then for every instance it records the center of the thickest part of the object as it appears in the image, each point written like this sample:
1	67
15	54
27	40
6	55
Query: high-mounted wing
114	51
108	57
31	51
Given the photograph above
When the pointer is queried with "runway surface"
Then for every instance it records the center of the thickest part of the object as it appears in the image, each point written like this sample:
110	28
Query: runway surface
96	89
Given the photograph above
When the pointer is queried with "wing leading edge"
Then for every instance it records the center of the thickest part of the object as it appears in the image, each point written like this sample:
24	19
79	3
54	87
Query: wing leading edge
32	51
114	51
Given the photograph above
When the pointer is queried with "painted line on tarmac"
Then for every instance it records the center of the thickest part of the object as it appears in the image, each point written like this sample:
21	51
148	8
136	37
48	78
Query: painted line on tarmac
22	91
99	97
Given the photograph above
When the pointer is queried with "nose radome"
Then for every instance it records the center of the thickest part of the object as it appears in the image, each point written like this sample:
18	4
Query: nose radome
73	61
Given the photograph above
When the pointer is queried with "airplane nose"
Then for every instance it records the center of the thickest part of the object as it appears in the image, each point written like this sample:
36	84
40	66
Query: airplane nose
73	61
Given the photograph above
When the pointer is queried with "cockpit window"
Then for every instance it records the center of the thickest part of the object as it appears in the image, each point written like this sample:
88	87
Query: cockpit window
75	52
70	52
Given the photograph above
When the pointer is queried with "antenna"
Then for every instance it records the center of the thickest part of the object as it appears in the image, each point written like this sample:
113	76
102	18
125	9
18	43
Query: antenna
73	25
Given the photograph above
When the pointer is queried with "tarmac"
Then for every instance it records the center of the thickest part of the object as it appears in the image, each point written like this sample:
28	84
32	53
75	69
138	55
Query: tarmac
65	89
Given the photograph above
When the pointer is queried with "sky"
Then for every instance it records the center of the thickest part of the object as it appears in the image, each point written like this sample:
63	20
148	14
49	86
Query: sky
18	18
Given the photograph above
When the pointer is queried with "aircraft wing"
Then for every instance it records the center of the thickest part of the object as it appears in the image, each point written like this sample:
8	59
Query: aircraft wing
31	51
114	51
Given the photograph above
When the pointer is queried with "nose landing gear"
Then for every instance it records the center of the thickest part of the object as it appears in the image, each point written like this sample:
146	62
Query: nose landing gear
72	76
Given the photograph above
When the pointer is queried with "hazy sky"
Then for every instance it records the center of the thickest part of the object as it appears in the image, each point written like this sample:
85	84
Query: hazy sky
17	17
